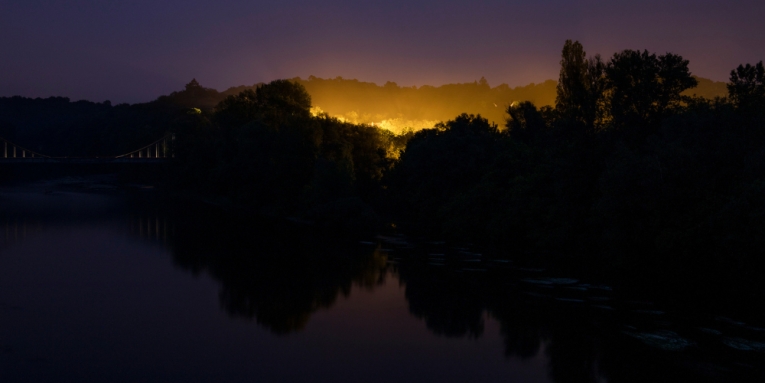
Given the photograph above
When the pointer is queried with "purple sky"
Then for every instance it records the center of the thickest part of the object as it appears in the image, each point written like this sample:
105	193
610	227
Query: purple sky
133	51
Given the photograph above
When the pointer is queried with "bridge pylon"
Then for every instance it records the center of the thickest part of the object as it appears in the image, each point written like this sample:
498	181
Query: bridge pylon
11	150
162	148
156	151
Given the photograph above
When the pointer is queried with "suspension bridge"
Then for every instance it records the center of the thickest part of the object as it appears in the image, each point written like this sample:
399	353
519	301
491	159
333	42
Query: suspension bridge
156	152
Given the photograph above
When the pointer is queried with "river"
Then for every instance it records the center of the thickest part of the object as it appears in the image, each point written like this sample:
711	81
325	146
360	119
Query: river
108	283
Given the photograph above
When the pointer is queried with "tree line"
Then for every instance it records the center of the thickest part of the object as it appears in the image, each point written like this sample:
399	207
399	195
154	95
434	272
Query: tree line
58	126
365	102
627	173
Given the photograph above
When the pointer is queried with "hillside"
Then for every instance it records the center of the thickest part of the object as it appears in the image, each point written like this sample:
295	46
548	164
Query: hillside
52	125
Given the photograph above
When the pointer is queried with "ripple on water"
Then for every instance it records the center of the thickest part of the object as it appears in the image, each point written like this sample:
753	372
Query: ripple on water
744	344
550	281
709	331
663	339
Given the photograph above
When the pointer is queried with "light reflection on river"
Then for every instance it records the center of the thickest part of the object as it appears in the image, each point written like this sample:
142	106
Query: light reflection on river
104	286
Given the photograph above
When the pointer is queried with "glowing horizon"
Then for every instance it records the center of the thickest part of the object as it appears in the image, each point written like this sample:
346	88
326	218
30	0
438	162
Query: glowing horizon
137	51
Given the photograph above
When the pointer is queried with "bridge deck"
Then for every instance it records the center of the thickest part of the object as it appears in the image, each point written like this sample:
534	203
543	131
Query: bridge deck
74	160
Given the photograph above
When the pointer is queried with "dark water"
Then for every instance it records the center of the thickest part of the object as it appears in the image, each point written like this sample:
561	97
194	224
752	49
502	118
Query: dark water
104	284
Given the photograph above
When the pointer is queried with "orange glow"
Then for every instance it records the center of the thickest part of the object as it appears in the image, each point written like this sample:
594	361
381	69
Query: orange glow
396	125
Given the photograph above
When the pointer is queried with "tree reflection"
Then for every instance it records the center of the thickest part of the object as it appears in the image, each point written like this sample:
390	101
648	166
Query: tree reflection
448	306
280	275
581	343
275	275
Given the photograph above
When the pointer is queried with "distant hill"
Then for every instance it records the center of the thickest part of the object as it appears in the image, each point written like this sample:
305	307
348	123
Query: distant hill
708	88
390	105
398	107
58	126
395	107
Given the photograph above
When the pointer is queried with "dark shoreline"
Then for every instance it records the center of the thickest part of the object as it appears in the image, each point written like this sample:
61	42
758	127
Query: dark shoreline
447	282
697	295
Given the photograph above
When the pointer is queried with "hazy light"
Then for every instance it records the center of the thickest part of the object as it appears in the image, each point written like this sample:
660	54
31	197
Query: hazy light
396	125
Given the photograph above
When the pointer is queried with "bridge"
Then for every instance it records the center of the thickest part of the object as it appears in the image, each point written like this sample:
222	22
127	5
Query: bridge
156	152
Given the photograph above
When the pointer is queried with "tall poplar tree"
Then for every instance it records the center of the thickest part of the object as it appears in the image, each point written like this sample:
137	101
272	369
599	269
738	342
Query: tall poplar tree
580	87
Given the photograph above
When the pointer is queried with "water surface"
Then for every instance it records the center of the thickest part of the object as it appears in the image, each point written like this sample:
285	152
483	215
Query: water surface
99	283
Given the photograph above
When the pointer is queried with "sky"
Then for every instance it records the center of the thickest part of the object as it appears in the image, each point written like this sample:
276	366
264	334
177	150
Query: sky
133	51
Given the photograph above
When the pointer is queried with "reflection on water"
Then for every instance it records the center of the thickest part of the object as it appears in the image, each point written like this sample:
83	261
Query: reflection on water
16	229
152	227
282	276
276	278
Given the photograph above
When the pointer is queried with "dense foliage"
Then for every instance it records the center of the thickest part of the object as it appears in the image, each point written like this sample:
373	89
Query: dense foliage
56	126
403	106
262	149
626	173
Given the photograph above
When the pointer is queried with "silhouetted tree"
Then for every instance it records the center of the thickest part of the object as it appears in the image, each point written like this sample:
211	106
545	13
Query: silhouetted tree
572	91
525	122
747	86
441	163
580	87
644	88
193	85
594	109
275	103
238	109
